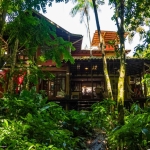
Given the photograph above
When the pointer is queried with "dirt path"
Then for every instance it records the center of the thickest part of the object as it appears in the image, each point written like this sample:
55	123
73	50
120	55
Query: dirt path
99	141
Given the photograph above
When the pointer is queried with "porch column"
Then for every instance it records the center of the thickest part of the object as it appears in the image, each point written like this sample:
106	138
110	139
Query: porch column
145	88
128	88
67	86
67	80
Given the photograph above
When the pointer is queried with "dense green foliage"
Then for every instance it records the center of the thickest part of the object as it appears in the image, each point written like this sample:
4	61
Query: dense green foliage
23	32
135	134
29	121
41	35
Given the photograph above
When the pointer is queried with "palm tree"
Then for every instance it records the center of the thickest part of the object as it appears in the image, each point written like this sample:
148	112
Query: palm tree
83	7
107	79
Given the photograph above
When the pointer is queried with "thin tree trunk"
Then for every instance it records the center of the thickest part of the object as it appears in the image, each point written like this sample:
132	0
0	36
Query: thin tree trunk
88	26
107	79
2	22
121	81
27	78
3	12
1	49
120	98
13	64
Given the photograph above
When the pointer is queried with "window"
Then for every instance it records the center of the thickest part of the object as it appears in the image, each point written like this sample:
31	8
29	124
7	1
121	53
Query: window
53	87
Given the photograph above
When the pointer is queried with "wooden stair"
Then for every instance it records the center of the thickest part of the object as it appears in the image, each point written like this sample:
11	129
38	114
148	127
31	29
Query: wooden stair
85	104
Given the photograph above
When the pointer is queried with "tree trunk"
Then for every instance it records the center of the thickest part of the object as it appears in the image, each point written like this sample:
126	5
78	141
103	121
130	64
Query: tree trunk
2	22
2	19
121	81
13	64
107	79
27	79
106	75
88	26
120	98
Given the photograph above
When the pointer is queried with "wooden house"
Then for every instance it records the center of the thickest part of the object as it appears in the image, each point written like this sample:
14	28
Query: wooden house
75	85
78	85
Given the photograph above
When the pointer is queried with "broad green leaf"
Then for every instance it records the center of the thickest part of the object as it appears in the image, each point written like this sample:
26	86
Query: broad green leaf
45	108
31	147
29	117
6	123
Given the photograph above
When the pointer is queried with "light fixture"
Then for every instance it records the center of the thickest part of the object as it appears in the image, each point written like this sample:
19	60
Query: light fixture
78	66
94	67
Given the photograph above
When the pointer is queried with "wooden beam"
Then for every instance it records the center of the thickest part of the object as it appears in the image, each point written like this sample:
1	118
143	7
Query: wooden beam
53	69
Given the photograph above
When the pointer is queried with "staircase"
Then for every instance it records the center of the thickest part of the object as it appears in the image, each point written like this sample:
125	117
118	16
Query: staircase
86	104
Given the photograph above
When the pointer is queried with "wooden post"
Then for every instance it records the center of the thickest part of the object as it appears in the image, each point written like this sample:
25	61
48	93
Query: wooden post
91	79
67	86
145	88
127	92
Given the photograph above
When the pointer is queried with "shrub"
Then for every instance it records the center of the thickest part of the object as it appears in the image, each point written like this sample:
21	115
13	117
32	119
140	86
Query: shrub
29	122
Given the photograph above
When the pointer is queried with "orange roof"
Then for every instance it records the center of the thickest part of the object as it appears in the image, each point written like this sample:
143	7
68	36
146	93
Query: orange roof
107	36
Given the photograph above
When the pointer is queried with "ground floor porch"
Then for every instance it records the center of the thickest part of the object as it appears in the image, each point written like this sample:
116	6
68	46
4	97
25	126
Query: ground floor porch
79	85
80	104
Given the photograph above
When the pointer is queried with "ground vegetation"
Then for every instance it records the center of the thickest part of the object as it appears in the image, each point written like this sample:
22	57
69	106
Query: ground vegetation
28	121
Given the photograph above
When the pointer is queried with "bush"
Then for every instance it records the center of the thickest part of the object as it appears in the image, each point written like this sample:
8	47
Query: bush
135	133
101	115
29	122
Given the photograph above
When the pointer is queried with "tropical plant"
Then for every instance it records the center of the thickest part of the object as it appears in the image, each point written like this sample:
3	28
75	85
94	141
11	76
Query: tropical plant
106	75
143	50
128	15
119	18
78	122
29	121
135	133
101	117
137	20
83	7
41	34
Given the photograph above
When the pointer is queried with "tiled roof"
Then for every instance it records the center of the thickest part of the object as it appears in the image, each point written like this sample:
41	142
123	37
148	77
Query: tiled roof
107	36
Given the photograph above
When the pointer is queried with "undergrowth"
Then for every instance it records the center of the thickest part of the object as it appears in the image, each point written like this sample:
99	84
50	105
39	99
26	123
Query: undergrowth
29	122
